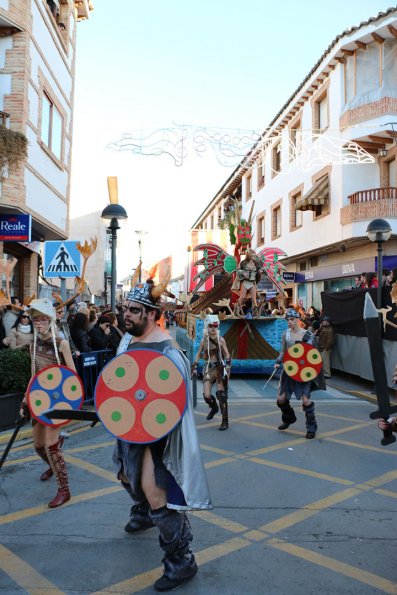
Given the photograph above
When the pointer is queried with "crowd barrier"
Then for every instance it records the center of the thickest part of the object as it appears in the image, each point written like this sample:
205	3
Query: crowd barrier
89	366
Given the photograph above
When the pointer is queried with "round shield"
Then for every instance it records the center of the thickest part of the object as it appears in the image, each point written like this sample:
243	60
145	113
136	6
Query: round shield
140	396
302	362
55	387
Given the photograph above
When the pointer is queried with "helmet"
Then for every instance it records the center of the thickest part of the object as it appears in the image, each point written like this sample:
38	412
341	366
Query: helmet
142	293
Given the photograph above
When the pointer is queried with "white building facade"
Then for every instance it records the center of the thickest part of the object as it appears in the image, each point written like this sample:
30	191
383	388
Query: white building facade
313	192
37	77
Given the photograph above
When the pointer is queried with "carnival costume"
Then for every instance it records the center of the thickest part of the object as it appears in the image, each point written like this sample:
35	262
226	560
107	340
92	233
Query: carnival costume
178	469
289	386
215	370
45	353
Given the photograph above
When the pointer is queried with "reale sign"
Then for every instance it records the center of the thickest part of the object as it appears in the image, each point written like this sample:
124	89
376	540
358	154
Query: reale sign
15	228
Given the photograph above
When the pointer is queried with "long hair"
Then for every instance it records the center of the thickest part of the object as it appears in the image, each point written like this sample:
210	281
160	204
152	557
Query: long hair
53	332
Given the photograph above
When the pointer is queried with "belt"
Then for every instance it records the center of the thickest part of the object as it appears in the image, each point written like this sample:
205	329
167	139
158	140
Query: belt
213	364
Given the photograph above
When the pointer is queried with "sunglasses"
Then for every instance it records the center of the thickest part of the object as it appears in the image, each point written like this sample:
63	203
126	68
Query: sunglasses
213	325
134	310
24	316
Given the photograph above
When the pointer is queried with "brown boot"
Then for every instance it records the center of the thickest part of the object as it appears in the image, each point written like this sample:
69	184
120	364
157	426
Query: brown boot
222	398
212	404
58	465
48	473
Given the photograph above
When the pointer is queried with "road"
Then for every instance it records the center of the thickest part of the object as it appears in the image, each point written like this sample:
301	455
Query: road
291	516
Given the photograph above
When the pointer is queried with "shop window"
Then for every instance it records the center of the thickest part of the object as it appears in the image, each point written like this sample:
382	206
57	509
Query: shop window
51	127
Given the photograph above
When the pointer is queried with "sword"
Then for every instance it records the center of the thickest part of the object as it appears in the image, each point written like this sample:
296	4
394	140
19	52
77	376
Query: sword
80	414
269	379
371	317
19	423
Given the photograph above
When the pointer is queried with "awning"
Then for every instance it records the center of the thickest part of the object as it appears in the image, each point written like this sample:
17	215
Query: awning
318	195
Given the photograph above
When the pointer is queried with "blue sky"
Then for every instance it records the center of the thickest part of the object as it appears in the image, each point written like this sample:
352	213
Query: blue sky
214	63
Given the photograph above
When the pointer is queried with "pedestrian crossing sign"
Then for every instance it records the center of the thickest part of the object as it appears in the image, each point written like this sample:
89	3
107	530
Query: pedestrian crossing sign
62	259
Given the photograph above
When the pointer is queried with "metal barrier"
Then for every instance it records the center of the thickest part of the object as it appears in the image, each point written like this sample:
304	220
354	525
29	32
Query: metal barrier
89	366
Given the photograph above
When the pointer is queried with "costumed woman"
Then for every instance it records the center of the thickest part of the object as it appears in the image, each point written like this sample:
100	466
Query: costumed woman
166	477
288	386
46	350
247	277
214	351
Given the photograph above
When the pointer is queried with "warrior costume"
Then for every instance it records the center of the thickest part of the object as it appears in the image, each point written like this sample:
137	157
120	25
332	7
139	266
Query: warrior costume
289	386
178	469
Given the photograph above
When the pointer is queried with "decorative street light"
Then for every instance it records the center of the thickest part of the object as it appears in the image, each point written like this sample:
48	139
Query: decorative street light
140	233
114	212
379	231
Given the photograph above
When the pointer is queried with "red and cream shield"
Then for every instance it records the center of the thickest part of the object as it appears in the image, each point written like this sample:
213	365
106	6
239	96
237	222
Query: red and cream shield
302	362
140	396
55	387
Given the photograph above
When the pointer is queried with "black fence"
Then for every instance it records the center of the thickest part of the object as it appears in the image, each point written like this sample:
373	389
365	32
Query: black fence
89	366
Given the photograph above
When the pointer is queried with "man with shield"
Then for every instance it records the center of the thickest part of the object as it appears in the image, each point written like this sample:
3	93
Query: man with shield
301	366
163	477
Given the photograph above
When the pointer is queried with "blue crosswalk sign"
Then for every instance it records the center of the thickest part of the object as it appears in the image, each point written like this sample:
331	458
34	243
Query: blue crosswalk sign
62	259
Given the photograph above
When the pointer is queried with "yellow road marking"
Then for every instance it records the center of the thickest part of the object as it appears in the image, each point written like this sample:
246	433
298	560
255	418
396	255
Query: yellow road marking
365	446
357	574
24	575
210	517
388	493
219	462
217	451
266	449
301	471
382	479
28	512
308	511
146	579
94	469
358	426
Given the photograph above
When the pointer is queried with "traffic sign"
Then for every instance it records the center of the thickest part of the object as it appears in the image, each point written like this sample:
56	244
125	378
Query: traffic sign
62	259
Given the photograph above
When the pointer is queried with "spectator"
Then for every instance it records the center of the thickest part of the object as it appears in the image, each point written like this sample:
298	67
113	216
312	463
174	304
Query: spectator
393	276
312	319
357	282
4	341
92	318
63	328
79	333
72	311
115	332
362	281
370	280
11	314
100	334
21	334
120	317
386	277
326	338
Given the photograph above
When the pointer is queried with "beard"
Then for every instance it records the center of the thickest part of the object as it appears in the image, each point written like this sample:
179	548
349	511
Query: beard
137	329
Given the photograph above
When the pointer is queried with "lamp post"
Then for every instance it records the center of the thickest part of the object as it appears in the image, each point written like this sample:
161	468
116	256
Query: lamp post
113	212
140	233
379	231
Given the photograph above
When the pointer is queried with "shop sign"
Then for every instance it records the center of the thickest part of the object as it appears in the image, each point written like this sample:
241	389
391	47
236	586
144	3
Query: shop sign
288	277
336	271
15	228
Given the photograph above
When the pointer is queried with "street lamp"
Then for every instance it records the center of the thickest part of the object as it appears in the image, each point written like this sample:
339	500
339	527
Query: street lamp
140	233
113	212
379	231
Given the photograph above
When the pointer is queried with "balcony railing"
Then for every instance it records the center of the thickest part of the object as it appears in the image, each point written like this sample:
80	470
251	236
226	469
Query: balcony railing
369	204
372	194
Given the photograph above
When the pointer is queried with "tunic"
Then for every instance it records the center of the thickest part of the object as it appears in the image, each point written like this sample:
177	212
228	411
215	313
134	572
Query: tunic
177	458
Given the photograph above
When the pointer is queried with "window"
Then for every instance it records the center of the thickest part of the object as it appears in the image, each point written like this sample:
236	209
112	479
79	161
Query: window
295	140
260	174
321	113
4	118
248	186
51	127
212	222
295	216
260	229
276	220
276	159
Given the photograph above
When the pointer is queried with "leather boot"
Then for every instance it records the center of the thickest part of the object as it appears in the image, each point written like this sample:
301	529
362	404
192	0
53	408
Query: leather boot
311	423
58	466
212	404
139	514
175	538
288	416
222	398
48	473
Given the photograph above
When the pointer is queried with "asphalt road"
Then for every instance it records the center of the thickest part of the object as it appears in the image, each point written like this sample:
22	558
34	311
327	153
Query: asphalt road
291	516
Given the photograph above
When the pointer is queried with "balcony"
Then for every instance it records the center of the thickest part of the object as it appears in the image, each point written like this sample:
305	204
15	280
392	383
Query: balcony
370	204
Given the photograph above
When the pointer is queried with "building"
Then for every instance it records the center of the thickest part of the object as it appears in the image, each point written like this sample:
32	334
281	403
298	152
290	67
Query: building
326	166
37	78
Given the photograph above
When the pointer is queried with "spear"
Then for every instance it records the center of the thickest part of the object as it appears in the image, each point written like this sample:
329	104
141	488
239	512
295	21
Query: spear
374	334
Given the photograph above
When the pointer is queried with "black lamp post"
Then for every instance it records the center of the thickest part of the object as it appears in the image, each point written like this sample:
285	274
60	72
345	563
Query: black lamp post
113	212
379	231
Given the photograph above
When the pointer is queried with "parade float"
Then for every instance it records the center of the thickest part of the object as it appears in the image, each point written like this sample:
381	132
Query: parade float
253	339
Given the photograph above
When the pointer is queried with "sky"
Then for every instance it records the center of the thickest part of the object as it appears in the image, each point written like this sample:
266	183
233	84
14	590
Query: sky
145	66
